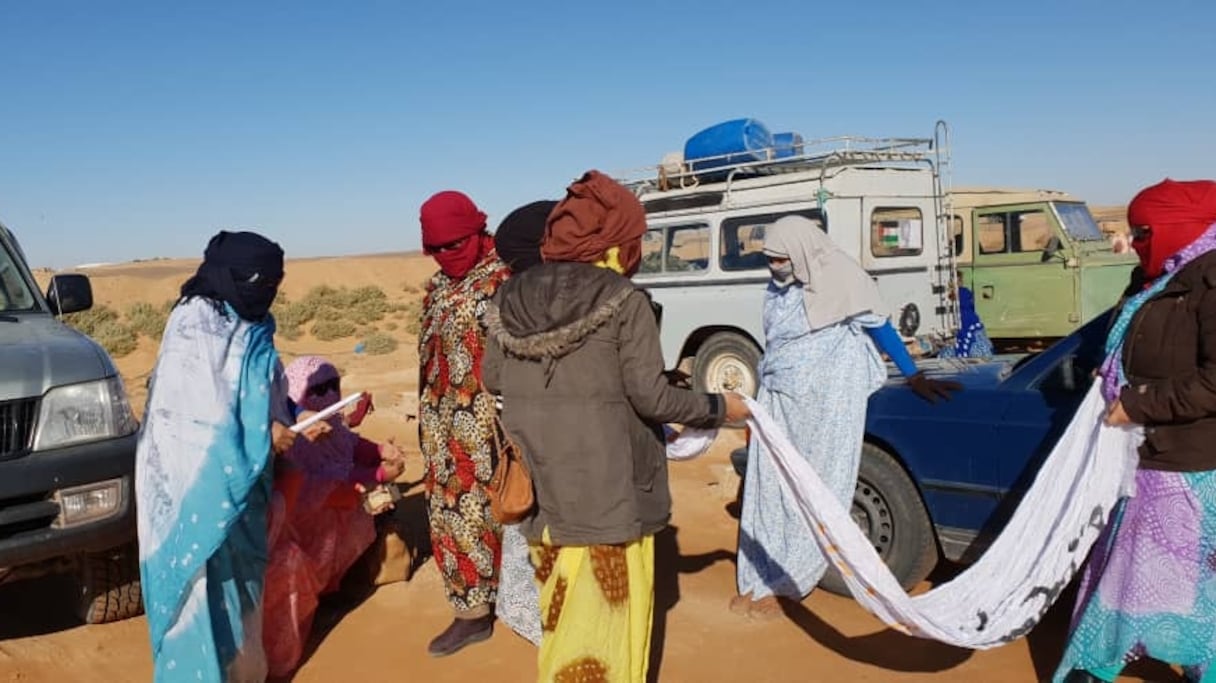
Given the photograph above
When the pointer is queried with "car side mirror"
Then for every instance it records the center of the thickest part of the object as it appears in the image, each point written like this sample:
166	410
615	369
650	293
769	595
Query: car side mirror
1052	249
70	293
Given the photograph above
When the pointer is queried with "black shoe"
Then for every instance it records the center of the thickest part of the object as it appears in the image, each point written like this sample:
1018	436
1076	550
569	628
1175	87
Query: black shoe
462	632
1081	676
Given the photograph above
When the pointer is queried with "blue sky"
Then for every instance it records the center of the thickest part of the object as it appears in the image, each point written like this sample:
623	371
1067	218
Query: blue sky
137	129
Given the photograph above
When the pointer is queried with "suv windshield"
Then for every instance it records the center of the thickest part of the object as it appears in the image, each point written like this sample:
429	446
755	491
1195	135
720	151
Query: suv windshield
15	293
1079	222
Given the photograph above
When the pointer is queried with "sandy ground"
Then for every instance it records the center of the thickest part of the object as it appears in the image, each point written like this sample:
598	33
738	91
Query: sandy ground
697	638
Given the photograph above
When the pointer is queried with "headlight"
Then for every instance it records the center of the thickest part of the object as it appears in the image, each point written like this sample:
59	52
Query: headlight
79	413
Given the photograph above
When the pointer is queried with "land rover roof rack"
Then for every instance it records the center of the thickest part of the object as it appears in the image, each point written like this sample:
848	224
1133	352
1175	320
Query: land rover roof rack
814	155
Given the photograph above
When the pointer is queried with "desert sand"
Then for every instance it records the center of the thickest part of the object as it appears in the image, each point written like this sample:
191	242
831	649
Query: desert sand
825	638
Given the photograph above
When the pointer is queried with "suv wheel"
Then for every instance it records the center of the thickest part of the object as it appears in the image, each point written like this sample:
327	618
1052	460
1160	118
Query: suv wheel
727	362
888	509
109	586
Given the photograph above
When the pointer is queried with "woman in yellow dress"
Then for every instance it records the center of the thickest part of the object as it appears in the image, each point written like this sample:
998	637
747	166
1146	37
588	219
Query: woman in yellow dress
573	347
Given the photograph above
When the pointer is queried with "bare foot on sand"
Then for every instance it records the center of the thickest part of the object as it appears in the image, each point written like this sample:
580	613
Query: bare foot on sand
765	609
741	604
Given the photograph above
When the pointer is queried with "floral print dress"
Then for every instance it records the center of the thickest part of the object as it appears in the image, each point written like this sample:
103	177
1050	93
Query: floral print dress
456	422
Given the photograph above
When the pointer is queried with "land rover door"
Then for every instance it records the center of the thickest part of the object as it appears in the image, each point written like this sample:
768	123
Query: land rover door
900	250
1024	273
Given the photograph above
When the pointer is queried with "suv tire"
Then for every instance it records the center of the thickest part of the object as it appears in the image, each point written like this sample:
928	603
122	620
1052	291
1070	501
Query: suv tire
888	508
109	586
727	362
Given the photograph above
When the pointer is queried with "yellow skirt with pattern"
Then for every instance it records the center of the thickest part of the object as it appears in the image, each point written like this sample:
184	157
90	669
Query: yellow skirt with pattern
597	607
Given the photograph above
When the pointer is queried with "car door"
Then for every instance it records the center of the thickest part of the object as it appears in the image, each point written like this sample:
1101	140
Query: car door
1020	294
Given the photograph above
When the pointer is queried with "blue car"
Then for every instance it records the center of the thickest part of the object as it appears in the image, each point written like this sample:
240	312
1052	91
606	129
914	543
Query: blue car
941	480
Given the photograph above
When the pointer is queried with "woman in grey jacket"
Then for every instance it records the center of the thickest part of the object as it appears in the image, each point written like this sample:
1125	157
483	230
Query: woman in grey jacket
574	351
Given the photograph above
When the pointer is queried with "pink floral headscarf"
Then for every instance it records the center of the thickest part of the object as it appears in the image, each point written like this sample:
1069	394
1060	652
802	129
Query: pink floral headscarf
332	457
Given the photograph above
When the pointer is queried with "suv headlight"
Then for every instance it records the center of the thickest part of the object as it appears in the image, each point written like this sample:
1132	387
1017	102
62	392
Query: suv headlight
79	413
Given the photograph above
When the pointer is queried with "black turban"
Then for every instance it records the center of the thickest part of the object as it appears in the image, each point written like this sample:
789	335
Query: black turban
520	234
242	269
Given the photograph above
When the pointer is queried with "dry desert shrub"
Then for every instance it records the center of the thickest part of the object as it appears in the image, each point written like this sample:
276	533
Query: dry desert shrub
102	323
336	313
379	344
330	329
145	319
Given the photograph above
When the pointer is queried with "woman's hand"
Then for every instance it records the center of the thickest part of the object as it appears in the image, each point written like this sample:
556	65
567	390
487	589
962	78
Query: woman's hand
736	409
281	437
1116	416
317	431
392	469
931	389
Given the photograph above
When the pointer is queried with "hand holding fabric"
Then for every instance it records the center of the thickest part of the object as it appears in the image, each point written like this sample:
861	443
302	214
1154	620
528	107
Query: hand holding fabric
932	389
736	408
1117	416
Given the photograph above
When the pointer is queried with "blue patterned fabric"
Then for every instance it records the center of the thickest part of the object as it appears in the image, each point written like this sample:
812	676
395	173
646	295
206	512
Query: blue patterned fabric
816	385
972	339
202	489
1150	587
518	603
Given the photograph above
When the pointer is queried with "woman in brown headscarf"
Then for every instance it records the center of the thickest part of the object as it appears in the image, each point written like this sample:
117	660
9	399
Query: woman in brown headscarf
574	350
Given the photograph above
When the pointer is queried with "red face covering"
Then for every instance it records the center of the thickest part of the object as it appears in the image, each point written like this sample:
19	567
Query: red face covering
453	232
1167	217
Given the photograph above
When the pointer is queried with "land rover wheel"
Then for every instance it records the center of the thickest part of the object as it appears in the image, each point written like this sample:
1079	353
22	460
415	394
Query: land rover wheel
109	586
727	362
888	509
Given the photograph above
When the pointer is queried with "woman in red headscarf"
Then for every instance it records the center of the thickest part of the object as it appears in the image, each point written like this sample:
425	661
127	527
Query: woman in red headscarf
1150	587
456	414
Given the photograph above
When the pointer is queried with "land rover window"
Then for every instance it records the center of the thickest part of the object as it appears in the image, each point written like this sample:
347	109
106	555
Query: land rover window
956	224
742	245
1078	222
675	249
1033	230
897	231
1015	232
687	249
652	252
990	230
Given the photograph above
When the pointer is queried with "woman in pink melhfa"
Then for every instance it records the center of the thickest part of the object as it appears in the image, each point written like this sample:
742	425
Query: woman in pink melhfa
318	525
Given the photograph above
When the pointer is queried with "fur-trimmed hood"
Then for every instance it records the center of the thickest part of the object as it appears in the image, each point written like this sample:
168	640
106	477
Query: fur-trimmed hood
549	310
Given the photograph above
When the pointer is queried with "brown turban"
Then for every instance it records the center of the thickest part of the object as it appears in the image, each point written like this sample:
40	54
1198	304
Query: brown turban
597	214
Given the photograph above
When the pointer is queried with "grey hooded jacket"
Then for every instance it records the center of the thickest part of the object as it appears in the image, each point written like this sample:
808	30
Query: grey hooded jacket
574	351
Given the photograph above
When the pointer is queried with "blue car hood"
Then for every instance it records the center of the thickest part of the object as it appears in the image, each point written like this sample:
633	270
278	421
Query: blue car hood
970	372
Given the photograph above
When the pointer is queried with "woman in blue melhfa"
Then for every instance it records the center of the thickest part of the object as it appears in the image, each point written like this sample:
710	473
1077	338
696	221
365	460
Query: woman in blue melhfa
824	326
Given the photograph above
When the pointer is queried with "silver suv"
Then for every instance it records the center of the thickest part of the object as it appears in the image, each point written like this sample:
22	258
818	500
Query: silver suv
67	446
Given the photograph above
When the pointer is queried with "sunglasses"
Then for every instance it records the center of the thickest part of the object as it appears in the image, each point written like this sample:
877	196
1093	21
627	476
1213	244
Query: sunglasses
329	385
1141	232
253	277
430	249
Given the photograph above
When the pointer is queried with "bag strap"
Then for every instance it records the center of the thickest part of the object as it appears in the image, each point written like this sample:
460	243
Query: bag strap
504	445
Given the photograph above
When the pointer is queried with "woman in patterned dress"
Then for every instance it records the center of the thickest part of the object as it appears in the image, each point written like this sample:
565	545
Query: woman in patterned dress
456	414
1149	589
